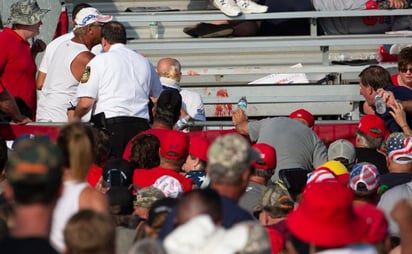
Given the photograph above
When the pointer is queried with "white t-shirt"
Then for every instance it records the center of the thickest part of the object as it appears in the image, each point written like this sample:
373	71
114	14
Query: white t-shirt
52	46
192	103
121	80
67	205
60	86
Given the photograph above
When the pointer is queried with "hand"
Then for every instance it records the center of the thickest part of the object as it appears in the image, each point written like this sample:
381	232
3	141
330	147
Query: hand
387	96
397	4
70	116
398	114
239	117
22	120
37	47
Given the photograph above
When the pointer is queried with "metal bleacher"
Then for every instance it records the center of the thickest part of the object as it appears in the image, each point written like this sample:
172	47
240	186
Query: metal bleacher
221	68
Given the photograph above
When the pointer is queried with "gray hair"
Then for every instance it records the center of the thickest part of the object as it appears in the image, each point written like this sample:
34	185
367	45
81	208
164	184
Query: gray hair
369	141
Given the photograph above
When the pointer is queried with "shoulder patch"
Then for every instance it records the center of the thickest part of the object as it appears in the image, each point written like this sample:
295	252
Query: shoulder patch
86	75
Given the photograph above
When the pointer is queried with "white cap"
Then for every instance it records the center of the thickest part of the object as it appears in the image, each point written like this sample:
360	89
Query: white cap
89	15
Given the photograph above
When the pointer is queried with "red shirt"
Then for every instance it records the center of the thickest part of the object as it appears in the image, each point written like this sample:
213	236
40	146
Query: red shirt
159	133
17	67
394	78
147	177
94	174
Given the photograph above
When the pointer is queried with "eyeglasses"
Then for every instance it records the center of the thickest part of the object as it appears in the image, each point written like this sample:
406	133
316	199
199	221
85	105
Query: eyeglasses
404	70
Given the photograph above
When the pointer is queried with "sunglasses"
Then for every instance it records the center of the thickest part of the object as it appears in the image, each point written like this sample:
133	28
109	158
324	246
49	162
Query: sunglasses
404	70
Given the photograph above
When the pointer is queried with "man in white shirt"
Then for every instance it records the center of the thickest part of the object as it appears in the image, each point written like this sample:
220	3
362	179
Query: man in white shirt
116	87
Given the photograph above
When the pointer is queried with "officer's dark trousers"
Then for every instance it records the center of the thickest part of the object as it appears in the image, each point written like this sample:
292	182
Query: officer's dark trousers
123	129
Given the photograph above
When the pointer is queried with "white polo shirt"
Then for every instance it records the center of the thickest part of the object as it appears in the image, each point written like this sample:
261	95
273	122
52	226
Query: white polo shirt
121	80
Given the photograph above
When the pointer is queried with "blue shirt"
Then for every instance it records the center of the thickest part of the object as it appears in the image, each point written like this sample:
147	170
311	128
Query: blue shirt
401	93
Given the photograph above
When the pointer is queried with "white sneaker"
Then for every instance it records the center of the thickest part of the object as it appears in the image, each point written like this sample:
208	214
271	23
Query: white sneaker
228	7
248	6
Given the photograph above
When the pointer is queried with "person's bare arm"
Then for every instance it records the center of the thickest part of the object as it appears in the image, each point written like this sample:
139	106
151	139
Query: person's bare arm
94	200
240	121
41	76
402	214
79	64
9	107
83	106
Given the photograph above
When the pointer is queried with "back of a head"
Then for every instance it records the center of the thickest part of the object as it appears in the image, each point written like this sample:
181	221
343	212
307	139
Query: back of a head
34	171
371	131
364	180
114	32
118	173
399	150
145	151
77	8
276	201
266	164
89	232
229	156
375	76
169	68
76	143
342	150
199	201
102	146
405	57
167	108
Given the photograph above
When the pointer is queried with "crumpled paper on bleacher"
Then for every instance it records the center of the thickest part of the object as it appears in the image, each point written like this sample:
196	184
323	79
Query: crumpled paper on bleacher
283	78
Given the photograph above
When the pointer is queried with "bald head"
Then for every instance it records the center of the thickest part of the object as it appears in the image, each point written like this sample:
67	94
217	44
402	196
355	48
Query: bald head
169	68
196	202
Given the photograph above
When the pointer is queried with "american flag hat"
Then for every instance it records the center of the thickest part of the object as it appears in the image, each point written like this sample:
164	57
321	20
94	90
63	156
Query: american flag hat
399	148
364	177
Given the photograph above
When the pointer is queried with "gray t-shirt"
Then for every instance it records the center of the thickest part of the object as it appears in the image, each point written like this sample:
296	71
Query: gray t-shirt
388	201
250	199
357	25
297	146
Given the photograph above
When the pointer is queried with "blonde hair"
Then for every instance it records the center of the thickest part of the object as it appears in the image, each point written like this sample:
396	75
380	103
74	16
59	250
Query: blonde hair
76	142
173	72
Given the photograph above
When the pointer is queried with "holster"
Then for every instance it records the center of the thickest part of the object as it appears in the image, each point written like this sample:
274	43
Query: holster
99	120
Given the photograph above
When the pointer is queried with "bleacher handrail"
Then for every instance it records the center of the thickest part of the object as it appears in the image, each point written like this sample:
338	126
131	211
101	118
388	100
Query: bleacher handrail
210	15
225	44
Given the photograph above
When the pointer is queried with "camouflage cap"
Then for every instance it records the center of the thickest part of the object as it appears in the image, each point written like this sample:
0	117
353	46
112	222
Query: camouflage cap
275	200
231	151
147	196
26	12
35	161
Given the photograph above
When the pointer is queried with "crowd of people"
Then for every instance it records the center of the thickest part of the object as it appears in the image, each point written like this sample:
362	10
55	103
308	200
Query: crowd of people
124	177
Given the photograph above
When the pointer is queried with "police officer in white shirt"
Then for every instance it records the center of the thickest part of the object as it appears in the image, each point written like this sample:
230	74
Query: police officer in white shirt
116	86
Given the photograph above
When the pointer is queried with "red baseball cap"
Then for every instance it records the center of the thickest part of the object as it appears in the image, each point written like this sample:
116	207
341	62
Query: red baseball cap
305	115
372	125
175	145
198	147
267	157
376	220
326	216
